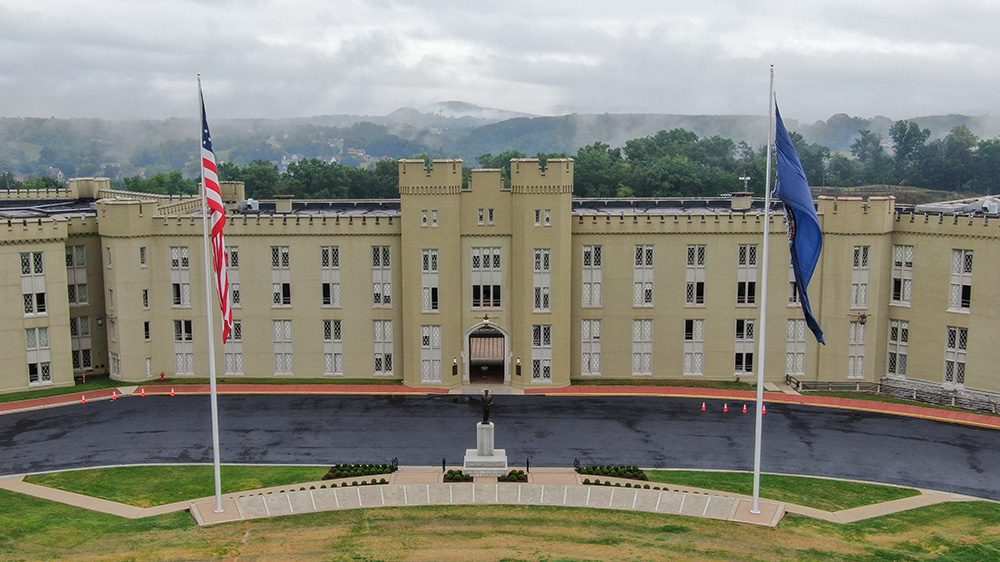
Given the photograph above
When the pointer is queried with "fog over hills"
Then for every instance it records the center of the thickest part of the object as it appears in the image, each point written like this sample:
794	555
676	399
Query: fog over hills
31	146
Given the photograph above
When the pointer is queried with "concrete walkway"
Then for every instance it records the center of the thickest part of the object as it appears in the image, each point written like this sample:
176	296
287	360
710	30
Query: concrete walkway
736	396
422	486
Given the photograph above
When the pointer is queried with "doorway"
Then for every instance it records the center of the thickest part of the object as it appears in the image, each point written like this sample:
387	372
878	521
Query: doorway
487	354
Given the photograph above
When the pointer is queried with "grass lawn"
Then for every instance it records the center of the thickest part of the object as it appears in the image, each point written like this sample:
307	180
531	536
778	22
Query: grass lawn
147	486
94	383
36	529
687	383
889	399
821	493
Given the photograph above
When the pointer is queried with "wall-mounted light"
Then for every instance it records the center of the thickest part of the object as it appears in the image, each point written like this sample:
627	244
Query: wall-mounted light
517	366
861	317
454	367
100	320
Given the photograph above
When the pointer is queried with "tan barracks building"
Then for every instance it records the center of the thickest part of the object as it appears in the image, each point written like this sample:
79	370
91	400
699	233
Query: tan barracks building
522	286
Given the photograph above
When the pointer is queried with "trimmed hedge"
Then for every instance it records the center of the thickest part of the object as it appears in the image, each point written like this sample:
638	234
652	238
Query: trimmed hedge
614	470
355	470
513	476
457	476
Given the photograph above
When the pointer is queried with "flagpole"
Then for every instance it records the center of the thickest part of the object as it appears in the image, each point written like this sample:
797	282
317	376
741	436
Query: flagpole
762	329
206	218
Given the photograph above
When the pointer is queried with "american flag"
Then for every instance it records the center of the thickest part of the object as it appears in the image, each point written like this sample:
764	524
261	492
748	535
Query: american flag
213	194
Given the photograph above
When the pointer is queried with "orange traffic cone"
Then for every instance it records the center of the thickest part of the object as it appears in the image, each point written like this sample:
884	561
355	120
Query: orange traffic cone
763	409
744	408
114	396
83	399
142	392
702	406
172	393
725	408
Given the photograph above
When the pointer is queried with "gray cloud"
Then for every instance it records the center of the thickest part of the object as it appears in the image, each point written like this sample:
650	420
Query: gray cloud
114	58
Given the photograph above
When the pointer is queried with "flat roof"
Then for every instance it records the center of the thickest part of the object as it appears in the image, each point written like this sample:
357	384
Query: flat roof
41	208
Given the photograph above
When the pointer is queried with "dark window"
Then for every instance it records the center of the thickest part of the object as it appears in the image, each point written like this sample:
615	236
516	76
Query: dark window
966	296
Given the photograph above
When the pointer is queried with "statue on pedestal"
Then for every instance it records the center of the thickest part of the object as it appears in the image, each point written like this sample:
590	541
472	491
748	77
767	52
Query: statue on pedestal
487	404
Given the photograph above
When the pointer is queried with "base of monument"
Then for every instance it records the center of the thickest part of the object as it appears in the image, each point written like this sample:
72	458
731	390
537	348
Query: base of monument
480	465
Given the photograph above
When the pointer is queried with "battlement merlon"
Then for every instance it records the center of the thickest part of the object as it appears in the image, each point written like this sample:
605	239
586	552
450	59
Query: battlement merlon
527	175
443	176
484	180
873	214
88	188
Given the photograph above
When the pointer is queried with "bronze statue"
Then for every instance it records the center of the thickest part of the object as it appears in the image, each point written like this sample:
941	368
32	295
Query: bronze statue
487	403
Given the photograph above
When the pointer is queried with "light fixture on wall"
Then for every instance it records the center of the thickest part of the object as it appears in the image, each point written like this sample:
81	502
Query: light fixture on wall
861	317
100	320
486	318
454	367
517	366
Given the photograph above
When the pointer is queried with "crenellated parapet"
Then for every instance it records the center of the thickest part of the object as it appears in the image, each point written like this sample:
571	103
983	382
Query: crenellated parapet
21	231
440	177
529	176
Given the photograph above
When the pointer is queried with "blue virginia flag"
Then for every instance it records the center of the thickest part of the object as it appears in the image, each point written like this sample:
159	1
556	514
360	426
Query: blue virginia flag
805	239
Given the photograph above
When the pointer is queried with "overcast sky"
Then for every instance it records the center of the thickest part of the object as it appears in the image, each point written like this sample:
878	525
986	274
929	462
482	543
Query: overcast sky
263	58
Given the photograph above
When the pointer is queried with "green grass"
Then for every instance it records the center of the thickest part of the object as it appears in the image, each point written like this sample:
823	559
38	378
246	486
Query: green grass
686	383
821	493
275	380
35	529
889	400
94	383
147	486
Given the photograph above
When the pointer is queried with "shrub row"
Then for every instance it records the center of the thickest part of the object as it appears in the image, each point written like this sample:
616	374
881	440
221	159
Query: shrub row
616	470
353	470
619	485
513	476
457	476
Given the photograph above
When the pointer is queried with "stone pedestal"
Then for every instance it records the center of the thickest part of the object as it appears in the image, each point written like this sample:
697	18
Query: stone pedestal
484	460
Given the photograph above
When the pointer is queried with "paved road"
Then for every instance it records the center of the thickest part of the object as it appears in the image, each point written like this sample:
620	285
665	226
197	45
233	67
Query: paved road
419	430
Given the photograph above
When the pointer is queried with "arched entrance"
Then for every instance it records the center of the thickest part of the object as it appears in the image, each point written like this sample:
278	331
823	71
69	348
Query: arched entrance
486	351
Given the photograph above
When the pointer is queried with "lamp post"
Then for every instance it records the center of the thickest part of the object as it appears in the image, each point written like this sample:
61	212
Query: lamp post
746	182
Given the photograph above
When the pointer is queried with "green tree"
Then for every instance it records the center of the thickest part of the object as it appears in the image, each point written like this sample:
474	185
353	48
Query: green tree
41	182
171	183
314	178
875	162
599	171
813	157
959	153
986	167
260	178
907	141
501	161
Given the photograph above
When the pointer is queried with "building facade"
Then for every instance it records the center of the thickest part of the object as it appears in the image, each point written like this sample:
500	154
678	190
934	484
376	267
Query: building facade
515	284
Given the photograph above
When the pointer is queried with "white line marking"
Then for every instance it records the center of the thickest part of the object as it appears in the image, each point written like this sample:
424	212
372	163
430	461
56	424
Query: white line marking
704	511
405	500
381	493
289	498
313	499
565	492
359	497
336	499
612	500
681	508
657	508
428	494
496	494
635	499
518	493
588	496
267	510
451	494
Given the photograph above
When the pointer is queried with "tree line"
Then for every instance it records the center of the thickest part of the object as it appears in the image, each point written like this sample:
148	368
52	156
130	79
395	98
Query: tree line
674	163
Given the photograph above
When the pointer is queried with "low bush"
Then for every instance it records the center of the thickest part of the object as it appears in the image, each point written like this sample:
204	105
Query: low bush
354	470
615	470
513	476
457	476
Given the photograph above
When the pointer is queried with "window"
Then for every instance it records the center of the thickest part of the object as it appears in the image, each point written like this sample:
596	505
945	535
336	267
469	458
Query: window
38	355
107	256
430	353
746	275
960	295
281	281
793	287
694	347
541	353
233	263
180	277
859	278
795	347
434	218
383	346
902	275
429	280
76	275
181	295
333	348
233	350
856	350
79	331
954	355
113	329
592	276
744	347
899	339
149	367
490	217
481	217
643	277
145	330
538	217
486	278
115	366
33	283
329	262
590	363
423	218
183	348
694	294
142	256
145	299
111	300
548	217
282	347
381	277
179	258
542	279
642	347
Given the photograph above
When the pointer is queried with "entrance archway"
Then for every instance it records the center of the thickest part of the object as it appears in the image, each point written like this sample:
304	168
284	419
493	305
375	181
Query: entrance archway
486	350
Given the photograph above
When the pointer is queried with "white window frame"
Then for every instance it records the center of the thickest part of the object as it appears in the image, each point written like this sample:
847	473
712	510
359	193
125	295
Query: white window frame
642	276
642	347
183	347
430	281
430	353
902	274
233	271
898	349
381	276
382	341
744	361
746	275
329	264
593	276
694	274
694	347
33	291
233	350
961	278
542	280
180	277
283	357
333	347
859	277
590	346
541	353
795	347
76	275
955	353
856	344
487	278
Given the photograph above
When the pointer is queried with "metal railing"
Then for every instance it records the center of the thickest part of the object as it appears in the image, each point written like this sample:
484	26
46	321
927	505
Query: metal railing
914	392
